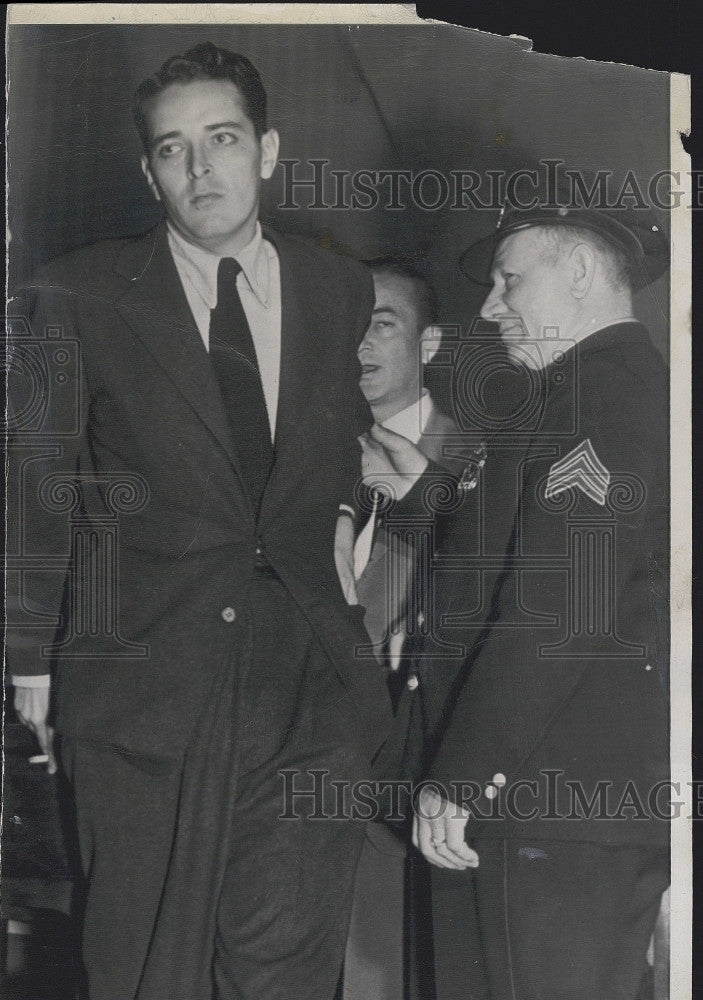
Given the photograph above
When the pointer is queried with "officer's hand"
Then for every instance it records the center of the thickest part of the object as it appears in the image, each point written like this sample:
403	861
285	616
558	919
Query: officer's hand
390	462
438	831
32	708
344	557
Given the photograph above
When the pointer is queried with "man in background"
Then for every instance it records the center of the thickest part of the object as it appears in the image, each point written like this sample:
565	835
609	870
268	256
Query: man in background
382	954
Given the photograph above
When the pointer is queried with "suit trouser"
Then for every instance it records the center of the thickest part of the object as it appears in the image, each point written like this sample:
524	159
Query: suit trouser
545	920
389	950
195	885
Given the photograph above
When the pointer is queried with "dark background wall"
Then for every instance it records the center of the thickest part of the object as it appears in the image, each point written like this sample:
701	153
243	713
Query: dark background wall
367	97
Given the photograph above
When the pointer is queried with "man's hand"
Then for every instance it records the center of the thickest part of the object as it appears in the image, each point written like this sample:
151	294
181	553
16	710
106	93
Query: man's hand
390	462
32	708
344	557
438	831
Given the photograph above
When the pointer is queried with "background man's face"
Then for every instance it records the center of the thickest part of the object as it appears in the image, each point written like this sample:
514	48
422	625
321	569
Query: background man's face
390	351
205	162
530	293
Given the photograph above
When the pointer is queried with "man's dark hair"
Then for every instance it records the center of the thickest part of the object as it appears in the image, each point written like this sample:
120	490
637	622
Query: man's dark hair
427	305
204	62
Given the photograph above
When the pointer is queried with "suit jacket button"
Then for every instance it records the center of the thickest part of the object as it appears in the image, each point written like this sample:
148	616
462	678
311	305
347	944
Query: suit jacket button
490	791
228	615
499	779
412	682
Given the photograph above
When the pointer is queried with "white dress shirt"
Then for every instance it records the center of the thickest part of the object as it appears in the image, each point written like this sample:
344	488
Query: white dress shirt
259	287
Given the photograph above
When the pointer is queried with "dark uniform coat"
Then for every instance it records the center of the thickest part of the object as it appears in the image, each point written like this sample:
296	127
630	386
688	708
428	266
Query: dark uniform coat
549	718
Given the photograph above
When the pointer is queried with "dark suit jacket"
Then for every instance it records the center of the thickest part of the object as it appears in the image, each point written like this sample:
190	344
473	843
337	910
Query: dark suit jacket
385	603
153	445
561	604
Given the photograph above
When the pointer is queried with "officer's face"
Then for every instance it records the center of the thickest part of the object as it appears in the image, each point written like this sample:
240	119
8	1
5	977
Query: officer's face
390	351
206	164
530	298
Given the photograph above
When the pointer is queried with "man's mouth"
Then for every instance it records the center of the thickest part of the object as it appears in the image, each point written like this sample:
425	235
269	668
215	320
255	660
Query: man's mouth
203	200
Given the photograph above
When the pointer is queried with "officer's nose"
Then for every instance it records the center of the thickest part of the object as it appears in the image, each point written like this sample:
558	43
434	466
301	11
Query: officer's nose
494	305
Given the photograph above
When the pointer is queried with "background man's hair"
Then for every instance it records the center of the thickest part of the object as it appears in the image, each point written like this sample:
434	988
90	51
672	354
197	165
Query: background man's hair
618	267
204	62
426	297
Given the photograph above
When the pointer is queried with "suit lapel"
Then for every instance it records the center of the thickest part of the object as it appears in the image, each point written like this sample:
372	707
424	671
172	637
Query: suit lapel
304	340
155	307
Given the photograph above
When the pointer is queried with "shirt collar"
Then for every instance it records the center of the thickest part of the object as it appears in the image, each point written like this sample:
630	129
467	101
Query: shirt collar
412	421
200	266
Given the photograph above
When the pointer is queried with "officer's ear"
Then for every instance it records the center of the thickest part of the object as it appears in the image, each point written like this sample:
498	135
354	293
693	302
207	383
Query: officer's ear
430	341
582	264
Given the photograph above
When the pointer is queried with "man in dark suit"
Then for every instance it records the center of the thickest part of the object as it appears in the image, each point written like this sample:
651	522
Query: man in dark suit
206	652
547	820
401	339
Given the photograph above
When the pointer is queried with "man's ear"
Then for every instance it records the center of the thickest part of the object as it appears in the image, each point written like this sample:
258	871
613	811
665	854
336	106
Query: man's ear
430	340
269	153
150	180
582	262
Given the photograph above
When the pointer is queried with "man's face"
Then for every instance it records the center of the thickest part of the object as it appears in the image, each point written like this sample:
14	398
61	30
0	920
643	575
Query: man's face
205	162
530	294
390	351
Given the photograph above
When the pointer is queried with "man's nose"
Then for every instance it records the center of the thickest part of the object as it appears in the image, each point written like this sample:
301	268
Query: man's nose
494	305
198	164
365	343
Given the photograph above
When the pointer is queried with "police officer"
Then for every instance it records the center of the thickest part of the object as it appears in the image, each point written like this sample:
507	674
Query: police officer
548	845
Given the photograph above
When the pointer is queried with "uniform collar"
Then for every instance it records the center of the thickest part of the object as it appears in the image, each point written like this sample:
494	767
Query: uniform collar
200	266
623	331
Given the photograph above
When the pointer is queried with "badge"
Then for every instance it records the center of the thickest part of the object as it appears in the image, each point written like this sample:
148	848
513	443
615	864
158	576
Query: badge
471	472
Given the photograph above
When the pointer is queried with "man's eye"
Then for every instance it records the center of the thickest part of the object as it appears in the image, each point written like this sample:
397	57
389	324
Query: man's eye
224	139
169	149
509	279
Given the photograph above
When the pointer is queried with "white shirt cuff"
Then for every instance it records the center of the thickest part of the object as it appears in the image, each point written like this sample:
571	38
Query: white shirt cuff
33	681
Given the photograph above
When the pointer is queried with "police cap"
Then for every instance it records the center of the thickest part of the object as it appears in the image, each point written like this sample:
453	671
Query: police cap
633	229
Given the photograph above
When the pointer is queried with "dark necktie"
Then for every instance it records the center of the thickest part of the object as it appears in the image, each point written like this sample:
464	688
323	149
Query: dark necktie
234	359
